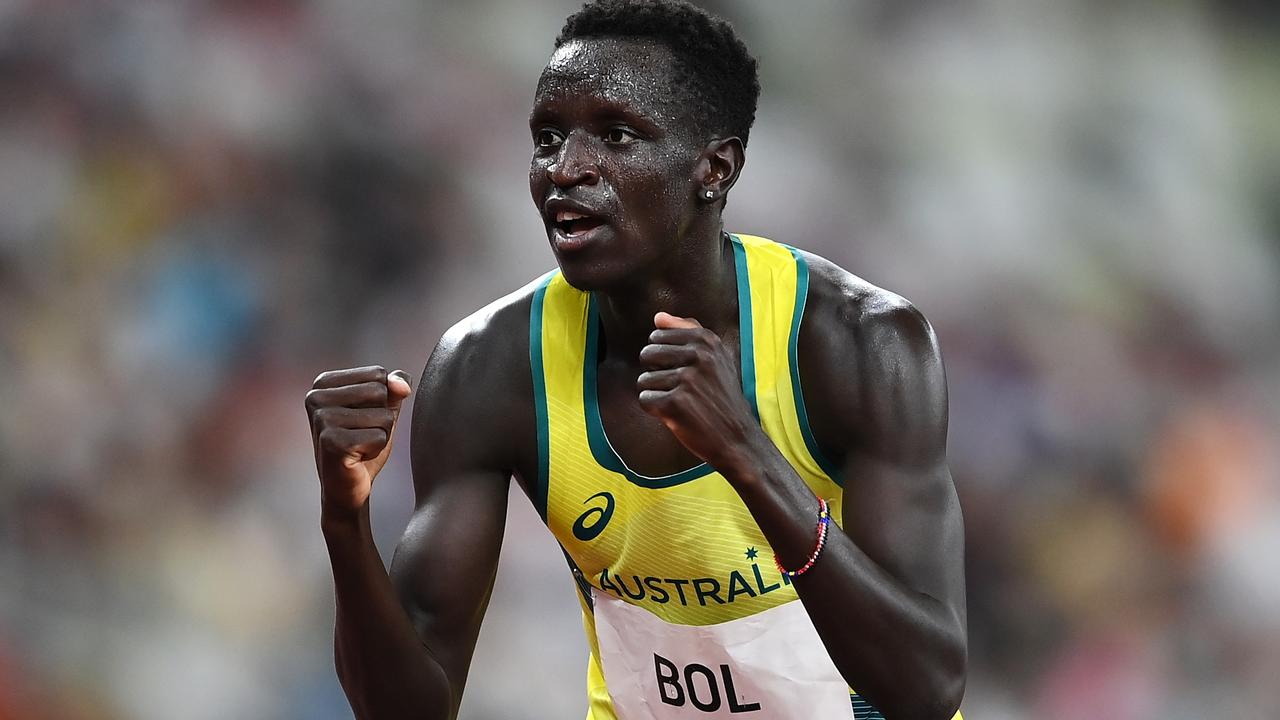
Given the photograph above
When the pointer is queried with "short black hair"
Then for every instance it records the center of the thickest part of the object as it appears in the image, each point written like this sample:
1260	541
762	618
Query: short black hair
715	76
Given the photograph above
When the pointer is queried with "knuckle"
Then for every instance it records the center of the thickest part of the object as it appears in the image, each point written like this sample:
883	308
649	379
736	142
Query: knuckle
312	400
372	440
330	415
332	440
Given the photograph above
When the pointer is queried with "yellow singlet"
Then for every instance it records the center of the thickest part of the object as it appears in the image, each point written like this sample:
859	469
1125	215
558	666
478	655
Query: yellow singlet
682	546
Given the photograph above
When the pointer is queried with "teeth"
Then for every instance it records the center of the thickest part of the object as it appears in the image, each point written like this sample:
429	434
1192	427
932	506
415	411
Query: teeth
566	215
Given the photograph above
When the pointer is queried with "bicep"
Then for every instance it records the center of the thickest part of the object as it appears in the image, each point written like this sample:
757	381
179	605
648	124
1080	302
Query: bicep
888	417
900	504
465	416
445	564
908	521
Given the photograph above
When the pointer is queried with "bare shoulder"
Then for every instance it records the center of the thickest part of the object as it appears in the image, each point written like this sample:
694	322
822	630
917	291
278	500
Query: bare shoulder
881	319
491	344
870	363
477	389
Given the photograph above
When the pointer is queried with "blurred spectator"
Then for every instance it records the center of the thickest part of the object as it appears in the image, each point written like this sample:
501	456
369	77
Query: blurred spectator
205	203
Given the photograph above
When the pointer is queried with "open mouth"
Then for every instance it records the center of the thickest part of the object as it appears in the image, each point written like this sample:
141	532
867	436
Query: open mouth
573	224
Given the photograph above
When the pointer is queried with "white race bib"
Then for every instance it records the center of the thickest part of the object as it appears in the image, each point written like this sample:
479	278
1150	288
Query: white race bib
768	665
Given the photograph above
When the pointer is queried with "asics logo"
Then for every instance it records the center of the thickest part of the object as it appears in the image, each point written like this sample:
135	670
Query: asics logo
591	523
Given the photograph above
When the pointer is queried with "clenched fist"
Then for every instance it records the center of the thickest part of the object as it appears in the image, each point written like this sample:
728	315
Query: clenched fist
691	383
353	417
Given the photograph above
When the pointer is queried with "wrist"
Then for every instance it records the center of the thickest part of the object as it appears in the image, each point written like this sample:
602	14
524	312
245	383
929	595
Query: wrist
344	522
748	461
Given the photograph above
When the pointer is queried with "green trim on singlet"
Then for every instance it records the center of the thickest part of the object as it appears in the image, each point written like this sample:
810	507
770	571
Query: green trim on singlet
802	415
601	448
542	482
746	329
863	710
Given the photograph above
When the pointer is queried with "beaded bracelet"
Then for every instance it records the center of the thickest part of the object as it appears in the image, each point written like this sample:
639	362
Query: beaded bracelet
824	518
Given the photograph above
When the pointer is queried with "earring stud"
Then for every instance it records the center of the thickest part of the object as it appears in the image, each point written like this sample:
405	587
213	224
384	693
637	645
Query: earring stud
710	194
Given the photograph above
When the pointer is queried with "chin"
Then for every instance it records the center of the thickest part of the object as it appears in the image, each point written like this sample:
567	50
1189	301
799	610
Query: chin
588	276
607	264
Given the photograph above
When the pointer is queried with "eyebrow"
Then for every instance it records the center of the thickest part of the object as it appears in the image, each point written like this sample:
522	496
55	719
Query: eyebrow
610	111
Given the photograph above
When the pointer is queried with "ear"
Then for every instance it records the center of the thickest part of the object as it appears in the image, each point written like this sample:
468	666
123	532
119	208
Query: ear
718	168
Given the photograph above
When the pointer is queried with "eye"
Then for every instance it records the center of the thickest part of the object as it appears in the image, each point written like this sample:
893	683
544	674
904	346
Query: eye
547	138
620	136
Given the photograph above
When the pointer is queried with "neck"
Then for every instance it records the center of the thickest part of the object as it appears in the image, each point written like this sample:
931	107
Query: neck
699	282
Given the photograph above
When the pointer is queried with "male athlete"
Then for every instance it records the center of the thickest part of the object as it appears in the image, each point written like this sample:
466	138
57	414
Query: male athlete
739	445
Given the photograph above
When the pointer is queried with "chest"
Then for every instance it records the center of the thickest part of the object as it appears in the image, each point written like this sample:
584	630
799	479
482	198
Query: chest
641	441
689	552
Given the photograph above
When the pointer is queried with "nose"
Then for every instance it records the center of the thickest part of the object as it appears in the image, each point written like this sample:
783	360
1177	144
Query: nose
574	165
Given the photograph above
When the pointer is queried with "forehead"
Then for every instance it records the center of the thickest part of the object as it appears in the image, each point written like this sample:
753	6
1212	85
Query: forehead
627	72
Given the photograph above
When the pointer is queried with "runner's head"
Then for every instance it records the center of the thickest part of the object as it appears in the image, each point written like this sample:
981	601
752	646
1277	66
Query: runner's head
643	109
713	77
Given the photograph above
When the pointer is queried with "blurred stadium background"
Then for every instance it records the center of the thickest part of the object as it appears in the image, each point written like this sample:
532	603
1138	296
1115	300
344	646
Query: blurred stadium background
204	204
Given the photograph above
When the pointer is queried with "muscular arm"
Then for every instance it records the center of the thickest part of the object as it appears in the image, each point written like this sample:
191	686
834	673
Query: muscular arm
404	640
887	594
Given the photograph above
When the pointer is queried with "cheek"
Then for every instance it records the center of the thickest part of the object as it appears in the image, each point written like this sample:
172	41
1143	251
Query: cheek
537	182
657	200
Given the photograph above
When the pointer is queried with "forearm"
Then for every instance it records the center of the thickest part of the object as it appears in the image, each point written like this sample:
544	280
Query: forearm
901	649
385	669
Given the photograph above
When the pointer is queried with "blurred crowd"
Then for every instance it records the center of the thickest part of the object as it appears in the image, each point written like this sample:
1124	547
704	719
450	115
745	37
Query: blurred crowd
203	204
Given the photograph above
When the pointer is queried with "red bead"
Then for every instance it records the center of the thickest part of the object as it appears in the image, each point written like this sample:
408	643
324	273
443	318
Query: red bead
824	518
